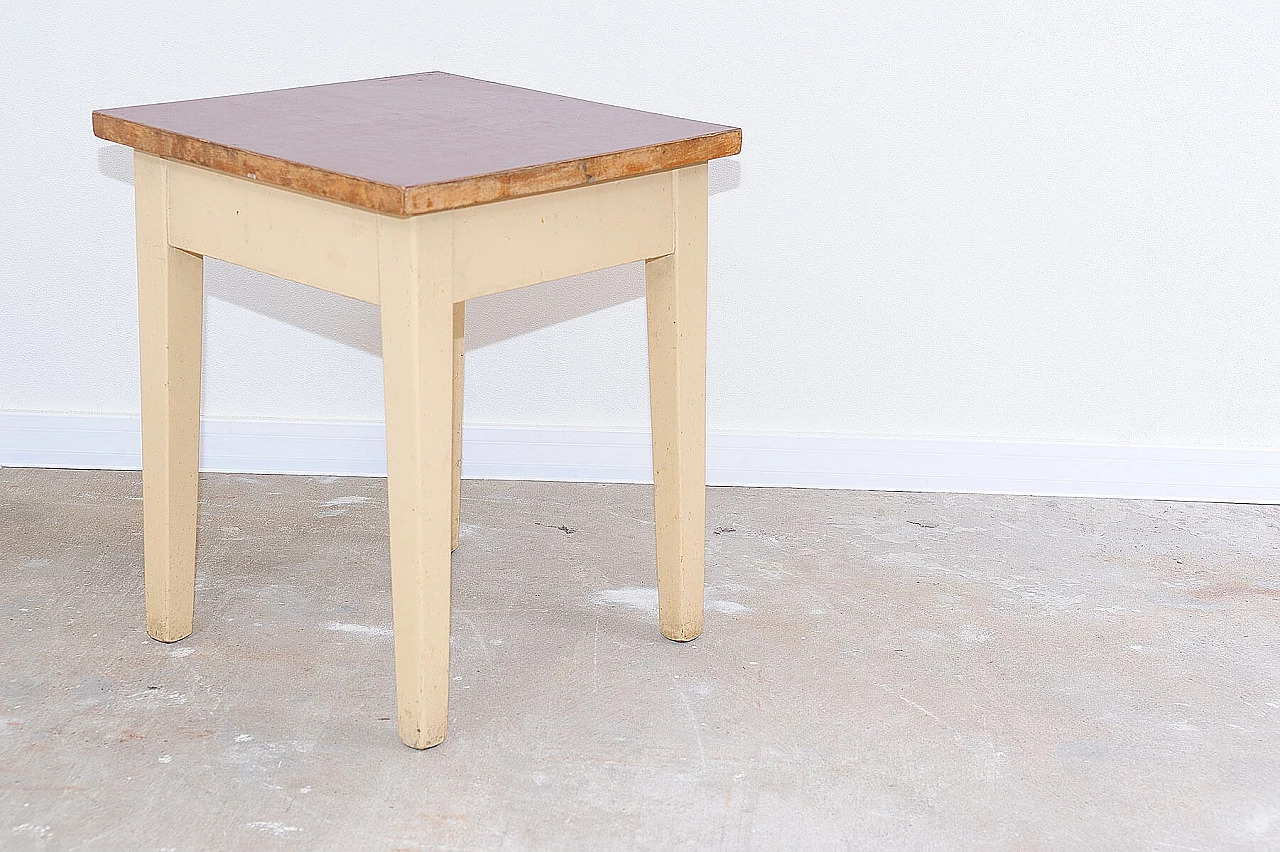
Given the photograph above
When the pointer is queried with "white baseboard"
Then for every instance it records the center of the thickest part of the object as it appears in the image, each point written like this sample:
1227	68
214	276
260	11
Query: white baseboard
42	439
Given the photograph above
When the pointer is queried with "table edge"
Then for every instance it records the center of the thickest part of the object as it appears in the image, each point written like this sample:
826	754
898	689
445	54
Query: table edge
422	198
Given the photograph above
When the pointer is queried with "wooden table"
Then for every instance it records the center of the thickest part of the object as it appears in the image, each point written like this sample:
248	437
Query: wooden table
417	193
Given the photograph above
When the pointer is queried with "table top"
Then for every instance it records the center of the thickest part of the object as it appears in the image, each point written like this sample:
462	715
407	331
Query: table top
417	143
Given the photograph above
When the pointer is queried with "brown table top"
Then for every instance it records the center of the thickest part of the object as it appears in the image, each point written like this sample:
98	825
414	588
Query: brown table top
417	143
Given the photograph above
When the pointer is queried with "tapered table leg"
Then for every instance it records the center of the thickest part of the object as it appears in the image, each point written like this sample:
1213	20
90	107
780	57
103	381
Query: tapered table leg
415	281
676	292
170	309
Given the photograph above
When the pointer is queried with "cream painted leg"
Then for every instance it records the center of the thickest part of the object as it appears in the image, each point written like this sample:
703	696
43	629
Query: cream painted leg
459	358
677	306
415	283
170	308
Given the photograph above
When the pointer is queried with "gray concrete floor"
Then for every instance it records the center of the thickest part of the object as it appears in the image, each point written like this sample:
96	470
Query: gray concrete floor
878	671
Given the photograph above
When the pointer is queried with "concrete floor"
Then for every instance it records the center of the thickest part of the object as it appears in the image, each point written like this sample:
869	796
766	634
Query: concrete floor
878	671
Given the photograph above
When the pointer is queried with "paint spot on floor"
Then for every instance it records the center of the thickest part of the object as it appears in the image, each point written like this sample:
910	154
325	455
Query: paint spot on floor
279	829
181	652
645	599
155	698
725	607
970	633
641	598
346	501
359	629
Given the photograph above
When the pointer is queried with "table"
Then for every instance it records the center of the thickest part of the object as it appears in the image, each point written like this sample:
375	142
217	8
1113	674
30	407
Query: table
416	193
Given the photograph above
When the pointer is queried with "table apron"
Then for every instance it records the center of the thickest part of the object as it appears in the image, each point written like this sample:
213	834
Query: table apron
522	241
322	243
495	247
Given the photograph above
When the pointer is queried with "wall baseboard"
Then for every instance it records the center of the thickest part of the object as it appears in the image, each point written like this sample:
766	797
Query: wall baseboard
356	448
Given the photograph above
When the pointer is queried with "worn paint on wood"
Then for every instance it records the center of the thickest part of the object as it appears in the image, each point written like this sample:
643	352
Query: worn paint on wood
420	270
417	143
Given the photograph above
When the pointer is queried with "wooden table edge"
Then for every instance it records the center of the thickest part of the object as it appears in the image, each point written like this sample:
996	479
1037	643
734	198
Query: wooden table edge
424	198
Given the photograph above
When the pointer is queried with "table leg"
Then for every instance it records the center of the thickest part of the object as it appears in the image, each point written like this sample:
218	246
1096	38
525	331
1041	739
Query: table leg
459	353
676	286
170	308
415	285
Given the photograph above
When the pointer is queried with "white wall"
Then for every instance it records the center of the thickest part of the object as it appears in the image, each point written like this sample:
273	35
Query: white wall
1000	221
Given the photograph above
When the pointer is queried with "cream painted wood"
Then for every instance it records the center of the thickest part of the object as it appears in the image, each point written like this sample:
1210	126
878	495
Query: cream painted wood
459	358
170	308
676	295
524	241
322	243
499	246
419	270
415	274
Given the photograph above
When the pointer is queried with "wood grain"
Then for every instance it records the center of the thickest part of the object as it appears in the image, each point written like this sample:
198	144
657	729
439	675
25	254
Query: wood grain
418	143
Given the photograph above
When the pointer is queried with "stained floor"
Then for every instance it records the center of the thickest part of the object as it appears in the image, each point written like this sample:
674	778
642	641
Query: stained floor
878	671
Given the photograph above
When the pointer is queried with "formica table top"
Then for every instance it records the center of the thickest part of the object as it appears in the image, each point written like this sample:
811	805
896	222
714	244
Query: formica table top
417	143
